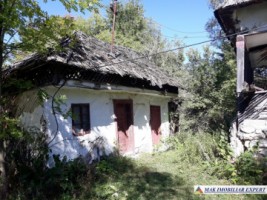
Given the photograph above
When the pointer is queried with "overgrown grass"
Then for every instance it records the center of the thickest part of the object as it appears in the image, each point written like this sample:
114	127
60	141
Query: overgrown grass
163	175
171	174
129	179
189	174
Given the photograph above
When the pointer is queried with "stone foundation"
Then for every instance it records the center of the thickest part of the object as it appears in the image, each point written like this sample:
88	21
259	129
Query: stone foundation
250	133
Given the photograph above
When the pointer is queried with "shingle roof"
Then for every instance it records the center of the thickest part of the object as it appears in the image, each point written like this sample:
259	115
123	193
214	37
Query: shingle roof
255	107
224	13
232	3
94	55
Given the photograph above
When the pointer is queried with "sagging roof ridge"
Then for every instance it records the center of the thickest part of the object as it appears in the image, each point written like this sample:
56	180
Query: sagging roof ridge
92	54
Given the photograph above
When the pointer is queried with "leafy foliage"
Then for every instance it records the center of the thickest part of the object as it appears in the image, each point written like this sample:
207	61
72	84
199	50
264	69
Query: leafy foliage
95	26
131	26
10	128
210	95
30	178
246	170
194	148
250	169
117	177
25	26
213	153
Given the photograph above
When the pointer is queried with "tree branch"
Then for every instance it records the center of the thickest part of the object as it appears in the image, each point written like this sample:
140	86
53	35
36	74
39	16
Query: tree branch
54	112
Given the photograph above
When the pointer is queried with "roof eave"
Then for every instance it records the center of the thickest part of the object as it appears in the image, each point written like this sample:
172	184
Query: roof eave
222	11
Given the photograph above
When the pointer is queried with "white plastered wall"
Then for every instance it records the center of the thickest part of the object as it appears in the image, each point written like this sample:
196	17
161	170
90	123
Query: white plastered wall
247	19
101	117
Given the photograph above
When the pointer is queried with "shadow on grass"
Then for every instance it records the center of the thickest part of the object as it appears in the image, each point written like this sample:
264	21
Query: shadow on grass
121	178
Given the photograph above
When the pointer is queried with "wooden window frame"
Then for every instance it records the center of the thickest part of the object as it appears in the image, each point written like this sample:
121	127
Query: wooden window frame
81	106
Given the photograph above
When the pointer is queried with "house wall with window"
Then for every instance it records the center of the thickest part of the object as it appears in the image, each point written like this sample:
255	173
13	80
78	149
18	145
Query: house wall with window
102	135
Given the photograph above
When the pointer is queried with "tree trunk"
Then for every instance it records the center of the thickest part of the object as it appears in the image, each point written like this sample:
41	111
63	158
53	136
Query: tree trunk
2	34
3	185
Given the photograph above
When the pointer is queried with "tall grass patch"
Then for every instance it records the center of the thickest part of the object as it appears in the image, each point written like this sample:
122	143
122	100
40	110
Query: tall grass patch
194	148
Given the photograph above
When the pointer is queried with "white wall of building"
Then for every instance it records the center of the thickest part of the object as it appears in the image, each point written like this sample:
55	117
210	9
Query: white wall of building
247	19
101	117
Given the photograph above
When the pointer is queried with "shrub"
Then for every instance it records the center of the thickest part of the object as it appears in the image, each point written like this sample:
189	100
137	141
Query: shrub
212	151
246	169
29	177
195	148
250	169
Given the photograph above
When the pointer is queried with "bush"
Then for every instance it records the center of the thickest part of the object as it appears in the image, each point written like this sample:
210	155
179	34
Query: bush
247	169
194	148
250	169
212	151
29	177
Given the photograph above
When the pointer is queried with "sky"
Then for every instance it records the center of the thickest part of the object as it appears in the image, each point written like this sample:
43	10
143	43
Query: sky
183	19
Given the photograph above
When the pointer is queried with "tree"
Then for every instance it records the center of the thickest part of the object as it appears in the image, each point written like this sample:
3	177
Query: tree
135	31
130	23
94	26
24	26
209	103
225	65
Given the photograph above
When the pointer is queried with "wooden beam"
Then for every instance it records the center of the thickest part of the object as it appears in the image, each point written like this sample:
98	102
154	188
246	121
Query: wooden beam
258	48
240	59
249	71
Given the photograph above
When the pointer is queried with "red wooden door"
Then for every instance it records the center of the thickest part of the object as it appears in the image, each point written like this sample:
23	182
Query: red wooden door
124	117
155	121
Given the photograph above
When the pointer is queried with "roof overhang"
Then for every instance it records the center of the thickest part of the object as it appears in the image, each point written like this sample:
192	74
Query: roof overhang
226	16
90	59
236	18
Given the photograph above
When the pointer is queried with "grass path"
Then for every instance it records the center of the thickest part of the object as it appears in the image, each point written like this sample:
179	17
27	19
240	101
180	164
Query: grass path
155	177
184	176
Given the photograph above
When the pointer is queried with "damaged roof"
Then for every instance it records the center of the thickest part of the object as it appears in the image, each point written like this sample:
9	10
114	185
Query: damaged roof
247	18
256	106
234	3
225	15
94	57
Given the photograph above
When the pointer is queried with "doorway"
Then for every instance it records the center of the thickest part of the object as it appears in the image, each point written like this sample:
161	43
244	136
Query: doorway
123	110
155	122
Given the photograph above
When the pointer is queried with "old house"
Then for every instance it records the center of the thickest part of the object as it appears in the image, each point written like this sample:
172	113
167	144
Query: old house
117	100
245	24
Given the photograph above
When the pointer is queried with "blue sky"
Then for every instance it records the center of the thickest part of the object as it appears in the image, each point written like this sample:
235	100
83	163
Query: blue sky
183	19
187	17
